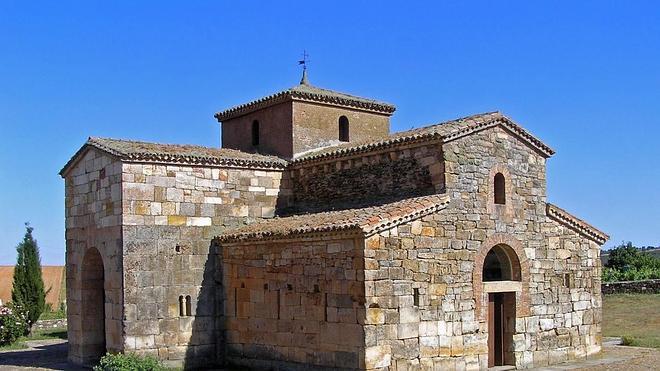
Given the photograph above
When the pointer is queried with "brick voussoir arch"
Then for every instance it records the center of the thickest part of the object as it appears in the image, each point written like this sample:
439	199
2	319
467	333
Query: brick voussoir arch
522	300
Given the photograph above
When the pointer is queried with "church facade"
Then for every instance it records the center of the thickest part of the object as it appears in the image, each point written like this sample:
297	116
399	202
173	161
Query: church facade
315	238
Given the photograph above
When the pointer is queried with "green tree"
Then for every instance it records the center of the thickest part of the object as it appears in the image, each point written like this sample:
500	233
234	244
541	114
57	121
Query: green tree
28	289
623	256
626	256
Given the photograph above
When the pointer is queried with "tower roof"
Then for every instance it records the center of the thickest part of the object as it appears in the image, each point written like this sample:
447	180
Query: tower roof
307	92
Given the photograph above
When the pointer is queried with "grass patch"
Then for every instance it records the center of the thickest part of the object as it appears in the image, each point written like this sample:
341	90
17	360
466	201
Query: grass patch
634	317
57	314
36	335
13	346
47	335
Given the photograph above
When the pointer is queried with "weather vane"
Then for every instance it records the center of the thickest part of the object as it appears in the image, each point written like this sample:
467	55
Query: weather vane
303	62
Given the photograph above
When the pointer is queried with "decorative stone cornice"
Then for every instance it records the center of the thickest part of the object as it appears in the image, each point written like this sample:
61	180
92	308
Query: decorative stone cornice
564	217
365	222
307	93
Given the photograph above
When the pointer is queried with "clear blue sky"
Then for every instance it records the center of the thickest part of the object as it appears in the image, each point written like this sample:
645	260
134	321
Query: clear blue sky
582	76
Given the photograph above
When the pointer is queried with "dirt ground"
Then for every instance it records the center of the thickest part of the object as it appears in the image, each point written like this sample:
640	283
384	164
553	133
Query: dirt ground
41	355
615	357
51	355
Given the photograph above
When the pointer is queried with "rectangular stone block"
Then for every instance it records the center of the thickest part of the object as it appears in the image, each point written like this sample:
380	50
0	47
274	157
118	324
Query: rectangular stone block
375	316
407	330
176	220
199	221
378	357
138	191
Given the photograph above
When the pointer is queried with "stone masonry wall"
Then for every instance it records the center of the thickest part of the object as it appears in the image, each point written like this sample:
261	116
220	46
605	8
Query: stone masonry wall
632	287
293	304
423	287
93	221
555	327
396	173
275	131
316	125
171	214
49	324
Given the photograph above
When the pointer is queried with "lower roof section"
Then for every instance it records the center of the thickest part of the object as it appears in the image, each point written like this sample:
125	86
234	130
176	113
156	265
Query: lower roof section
175	154
365	221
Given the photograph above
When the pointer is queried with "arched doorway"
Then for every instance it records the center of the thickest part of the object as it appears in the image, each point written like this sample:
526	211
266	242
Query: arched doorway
501	276
93	307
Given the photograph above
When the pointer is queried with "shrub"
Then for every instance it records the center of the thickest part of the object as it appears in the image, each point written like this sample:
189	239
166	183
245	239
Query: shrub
13	324
128	362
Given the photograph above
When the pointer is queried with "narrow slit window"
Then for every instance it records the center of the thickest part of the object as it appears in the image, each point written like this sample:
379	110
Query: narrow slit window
182	305
255	132
416	297
500	189
343	129
567	280
188	306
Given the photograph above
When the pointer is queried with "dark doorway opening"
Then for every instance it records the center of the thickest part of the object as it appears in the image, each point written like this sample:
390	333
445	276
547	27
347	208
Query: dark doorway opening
501	327
93	307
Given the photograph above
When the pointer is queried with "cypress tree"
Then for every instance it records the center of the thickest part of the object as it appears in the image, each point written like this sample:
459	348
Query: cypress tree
28	288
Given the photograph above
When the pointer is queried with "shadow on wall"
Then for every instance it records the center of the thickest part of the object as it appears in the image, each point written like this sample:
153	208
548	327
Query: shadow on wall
328	188
205	336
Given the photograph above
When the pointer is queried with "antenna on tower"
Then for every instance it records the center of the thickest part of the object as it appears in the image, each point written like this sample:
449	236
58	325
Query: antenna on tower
304	62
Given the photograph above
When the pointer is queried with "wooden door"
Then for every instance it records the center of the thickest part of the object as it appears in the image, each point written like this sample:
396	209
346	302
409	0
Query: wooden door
495	329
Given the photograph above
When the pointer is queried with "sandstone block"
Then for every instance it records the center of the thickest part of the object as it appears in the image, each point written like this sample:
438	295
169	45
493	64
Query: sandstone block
375	316
199	221
176	220
378	357
409	315
407	330
437	289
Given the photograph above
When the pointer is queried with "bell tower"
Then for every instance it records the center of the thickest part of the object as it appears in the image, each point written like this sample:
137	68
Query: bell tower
301	119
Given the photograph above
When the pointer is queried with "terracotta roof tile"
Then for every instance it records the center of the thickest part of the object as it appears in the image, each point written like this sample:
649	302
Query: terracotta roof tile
137	151
575	223
368	220
446	131
306	92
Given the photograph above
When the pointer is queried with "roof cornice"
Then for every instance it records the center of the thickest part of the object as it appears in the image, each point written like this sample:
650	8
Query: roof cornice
578	225
314	95
474	124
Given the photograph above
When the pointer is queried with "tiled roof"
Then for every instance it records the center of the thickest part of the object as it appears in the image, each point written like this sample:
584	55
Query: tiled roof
579	225
447	131
135	151
306	92
368	220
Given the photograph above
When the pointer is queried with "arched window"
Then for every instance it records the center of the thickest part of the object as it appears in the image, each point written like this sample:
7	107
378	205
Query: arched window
500	189
343	128
182	306
255	132
501	264
188	305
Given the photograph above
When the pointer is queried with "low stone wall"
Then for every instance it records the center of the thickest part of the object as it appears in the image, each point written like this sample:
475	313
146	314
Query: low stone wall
50	324
632	287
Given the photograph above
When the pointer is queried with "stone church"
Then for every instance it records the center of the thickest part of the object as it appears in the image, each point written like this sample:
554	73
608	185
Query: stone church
315	238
